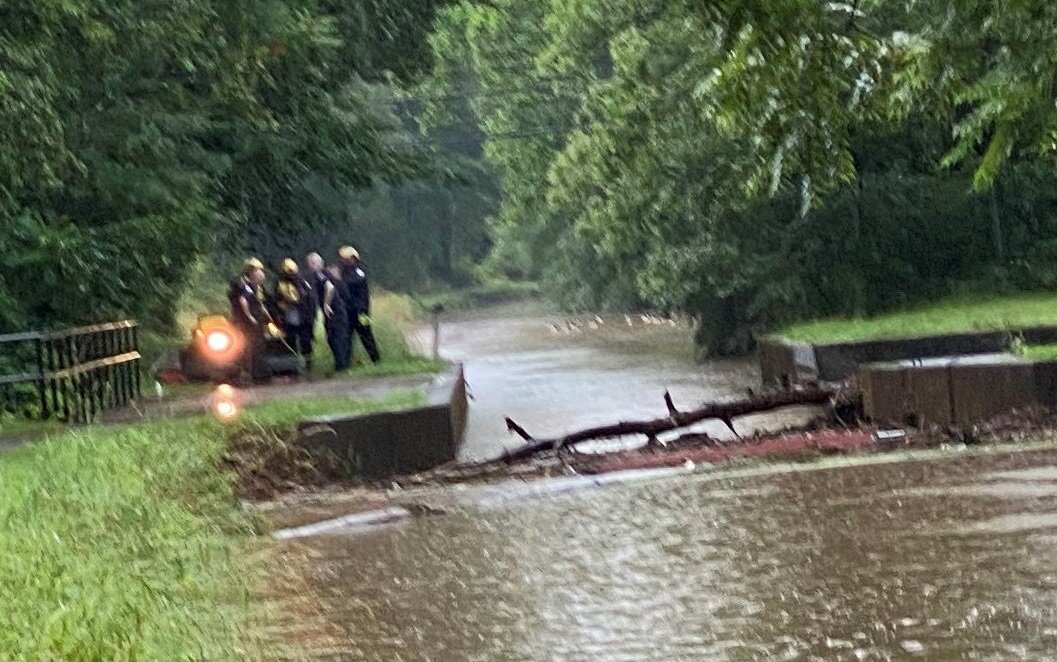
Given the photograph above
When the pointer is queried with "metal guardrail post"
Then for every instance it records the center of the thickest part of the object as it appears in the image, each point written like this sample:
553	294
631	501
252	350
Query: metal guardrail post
437	311
42	390
64	387
49	354
136	370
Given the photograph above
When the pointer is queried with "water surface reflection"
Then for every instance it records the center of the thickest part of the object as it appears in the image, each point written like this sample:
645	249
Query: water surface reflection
950	559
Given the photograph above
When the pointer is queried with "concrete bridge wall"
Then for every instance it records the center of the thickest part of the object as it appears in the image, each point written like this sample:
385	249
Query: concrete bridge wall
386	444
955	390
782	359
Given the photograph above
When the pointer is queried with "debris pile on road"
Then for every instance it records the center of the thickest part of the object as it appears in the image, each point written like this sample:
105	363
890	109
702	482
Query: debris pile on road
268	462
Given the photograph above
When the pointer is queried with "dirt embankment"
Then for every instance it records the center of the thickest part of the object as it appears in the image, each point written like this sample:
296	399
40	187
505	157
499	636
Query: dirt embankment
270	461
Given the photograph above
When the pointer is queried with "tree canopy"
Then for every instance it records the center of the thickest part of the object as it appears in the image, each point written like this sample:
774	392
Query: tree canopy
747	161
139	135
751	161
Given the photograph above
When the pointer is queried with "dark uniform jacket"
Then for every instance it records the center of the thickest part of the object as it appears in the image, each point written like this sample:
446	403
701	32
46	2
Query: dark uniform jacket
359	295
318	281
242	289
340	302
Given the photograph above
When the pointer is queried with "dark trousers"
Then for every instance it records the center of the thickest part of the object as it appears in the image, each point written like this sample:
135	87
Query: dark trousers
252	359
301	339
366	335
339	340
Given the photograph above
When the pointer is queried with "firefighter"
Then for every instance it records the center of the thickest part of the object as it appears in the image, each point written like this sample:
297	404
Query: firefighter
248	313
336	321
296	305
327	284
320	281
358	301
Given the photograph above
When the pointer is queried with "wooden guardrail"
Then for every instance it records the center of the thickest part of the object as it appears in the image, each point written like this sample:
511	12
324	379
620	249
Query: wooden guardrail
71	375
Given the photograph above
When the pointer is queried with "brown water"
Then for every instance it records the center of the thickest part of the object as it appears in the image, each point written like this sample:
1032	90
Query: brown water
883	557
551	382
950	559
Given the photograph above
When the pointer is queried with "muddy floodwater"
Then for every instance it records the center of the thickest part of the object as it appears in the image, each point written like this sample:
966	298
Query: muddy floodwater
943	555
948	559
553	375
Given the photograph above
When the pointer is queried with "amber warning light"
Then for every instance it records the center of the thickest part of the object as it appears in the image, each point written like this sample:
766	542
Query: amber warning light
218	340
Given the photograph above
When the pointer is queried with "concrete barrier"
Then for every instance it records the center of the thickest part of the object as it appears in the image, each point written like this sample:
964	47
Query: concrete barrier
786	360
955	390
386	444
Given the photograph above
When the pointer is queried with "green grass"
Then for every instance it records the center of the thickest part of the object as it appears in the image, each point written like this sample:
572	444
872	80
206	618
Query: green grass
128	542
16	426
478	296
414	365
394	316
950	316
288	412
123	544
1038	352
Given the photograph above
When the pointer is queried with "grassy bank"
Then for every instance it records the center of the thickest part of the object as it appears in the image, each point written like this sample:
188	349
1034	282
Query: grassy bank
393	319
123	544
478	296
950	316
285	413
12	425
130	543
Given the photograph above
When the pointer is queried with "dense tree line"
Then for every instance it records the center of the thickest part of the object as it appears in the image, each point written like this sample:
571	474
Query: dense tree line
748	162
756	161
138	136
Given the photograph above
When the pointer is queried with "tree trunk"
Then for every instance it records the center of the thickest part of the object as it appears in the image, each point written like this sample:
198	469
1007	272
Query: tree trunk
724	411
996	225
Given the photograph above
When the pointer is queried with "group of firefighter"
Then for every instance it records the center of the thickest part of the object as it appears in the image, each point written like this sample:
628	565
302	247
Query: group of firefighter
289	312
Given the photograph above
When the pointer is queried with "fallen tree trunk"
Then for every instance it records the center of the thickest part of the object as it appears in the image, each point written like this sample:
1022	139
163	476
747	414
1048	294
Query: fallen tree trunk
722	411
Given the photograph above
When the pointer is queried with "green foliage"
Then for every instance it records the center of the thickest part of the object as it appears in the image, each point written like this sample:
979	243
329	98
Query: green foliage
137	136
756	162
523	109
123	163
1038	352
384	38
338	163
490	293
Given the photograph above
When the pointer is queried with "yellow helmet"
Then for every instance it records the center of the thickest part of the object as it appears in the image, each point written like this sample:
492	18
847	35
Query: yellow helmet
251	264
288	267
348	253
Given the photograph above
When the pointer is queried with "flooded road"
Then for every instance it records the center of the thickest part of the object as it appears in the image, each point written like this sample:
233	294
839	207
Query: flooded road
550	379
947	559
943	555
